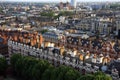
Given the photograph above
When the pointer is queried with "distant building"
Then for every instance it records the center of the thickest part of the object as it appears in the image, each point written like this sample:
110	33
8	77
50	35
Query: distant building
74	3
65	6
104	27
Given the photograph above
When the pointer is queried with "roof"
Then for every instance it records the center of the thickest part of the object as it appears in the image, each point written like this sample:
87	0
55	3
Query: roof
85	36
74	35
50	34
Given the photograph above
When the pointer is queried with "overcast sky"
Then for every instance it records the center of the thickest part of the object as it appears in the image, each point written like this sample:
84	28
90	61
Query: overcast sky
61	0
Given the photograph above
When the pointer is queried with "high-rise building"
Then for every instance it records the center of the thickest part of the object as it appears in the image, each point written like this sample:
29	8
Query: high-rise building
74	3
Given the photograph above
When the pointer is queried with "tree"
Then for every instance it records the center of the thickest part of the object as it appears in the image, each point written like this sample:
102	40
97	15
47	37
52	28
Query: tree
101	76
62	71
95	76
49	14
28	63
3	66
55	73
14	58
86	77
31	69
64	13
23	65
19	66
48	73
71	75
44	31
115	6
39	69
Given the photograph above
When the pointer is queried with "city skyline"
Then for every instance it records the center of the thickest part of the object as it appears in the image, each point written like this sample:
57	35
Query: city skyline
61	0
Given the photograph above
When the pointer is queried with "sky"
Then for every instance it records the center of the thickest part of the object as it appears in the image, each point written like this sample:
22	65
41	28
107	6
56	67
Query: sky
62	0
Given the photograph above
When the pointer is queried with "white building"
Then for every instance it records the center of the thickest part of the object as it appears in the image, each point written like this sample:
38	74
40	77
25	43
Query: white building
62	19
74	3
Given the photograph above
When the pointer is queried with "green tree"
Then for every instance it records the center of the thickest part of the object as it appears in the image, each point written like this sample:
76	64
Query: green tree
115	6
62	71
3	65
44	31
23	65
71	75
48	73
64	13
86	77
28	63
101	76
49	14
31	69
39	69
55	74
14	58
19	66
